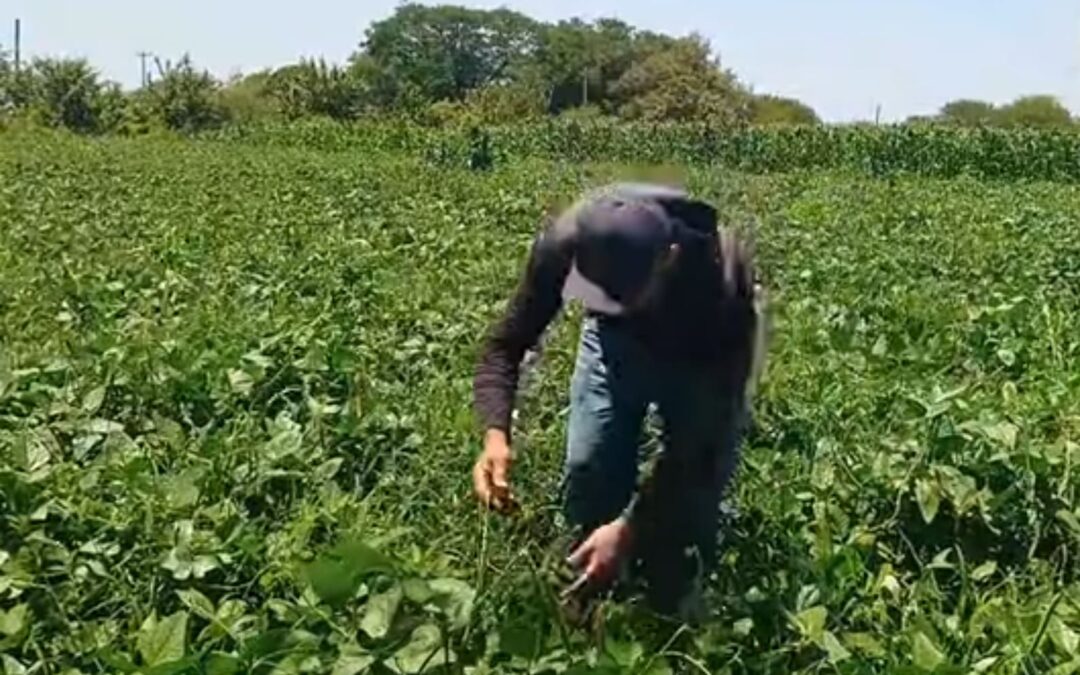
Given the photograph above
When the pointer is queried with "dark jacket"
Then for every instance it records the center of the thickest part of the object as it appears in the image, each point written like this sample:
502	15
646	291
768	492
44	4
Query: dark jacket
705	316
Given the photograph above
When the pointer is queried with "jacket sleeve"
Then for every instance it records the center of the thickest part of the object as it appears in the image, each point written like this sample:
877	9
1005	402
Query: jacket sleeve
535	302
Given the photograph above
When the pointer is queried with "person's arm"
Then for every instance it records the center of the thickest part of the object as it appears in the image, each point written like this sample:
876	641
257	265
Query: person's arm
535	302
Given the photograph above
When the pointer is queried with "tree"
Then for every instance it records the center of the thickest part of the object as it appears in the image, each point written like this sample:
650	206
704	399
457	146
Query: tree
505	103
769	110
248	98
315	88
185	99
1035	111
444	52
579	63
682	83
968	113
65	93
112	108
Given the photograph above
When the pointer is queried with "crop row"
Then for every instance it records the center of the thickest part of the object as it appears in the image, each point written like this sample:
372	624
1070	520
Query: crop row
935	151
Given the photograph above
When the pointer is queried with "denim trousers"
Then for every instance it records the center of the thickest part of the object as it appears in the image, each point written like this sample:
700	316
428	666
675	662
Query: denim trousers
615	381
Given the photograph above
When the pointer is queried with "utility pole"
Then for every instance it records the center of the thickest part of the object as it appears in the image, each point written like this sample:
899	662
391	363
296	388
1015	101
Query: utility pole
18	44
142	64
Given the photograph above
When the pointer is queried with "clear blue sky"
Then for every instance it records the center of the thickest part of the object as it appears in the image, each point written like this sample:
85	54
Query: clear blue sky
841	56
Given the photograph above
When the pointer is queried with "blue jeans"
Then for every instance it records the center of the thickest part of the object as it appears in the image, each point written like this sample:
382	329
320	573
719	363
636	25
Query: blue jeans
614	382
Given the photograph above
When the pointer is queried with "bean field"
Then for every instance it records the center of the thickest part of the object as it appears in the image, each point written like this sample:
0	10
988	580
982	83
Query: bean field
236	430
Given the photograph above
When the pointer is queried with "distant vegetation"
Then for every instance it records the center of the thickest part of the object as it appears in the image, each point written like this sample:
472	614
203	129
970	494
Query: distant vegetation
449	66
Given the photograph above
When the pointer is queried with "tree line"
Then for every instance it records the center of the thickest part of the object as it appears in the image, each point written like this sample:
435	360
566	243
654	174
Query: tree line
445	65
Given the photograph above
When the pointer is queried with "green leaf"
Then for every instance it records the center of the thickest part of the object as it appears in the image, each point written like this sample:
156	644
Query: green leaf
941	561
33	452
363	559
424	652
92	401
833	648
743	627
417	590
811	622
203	565
14	621
328	469
929	498
294	664
523	639
1067	668
240	382
623	653
119	661
183	490
983	665
925	654
11	666
984	571
1003	433
352	661
220	663
865	643
103	427
380	611
178	667
1070	519
332	581
286	441
881	347
274	641
455	598
178	561
197	603
1063	637
160	642
337	574
229	619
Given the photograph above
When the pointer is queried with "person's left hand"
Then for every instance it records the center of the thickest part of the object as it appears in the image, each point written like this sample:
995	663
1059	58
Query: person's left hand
600	555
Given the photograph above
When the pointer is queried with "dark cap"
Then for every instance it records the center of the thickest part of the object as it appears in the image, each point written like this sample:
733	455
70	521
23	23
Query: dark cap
620	237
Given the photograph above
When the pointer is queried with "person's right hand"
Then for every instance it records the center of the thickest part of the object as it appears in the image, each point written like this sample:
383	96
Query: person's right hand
491	474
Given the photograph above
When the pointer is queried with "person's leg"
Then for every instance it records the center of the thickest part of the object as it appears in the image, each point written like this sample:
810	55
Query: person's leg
607	407
703	424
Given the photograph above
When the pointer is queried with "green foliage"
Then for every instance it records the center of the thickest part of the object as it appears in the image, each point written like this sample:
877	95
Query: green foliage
15	87
313	88
768	110
681	83
247	99
1026	111
447	51
924	149
1035	111
969	113
443	65
235	434
184	98
579	63
65	93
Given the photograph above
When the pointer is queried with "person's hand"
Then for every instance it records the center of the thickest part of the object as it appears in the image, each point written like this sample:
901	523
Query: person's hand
600	555
491	474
